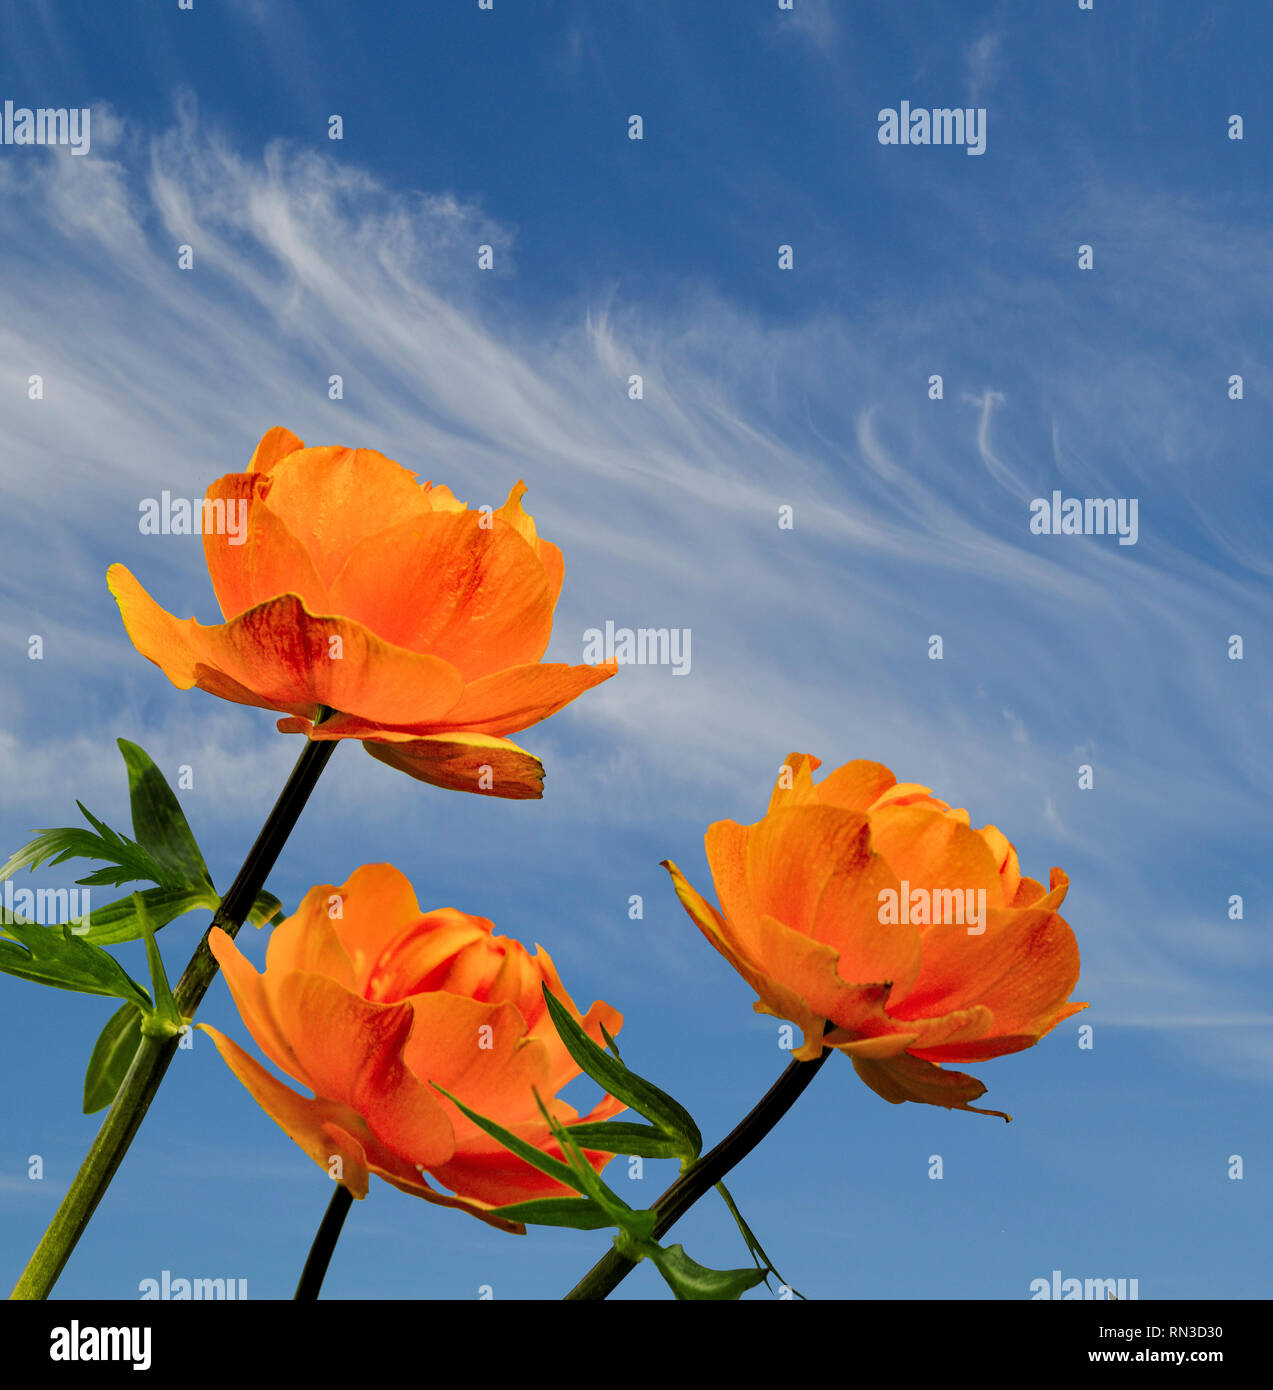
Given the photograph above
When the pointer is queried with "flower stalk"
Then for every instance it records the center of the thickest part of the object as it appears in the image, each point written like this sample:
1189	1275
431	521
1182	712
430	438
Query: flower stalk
324	1244
704	1174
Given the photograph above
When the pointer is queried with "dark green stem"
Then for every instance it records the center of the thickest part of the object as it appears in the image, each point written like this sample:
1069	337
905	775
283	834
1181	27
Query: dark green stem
320	1253
613	1267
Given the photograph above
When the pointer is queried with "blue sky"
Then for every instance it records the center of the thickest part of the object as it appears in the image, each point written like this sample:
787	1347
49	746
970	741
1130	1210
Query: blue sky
806	388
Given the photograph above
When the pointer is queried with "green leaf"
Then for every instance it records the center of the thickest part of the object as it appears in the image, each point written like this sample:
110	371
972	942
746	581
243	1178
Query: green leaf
54	956
118	921
646	1099
690	1280
610	1042
165	1020
160	824
589	1179
265	909
554	1167
753	1245
112	1055
623	1137
579	1213
126	862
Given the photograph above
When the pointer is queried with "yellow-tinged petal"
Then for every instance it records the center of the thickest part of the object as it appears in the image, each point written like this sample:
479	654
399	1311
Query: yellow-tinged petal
462	763
907	1078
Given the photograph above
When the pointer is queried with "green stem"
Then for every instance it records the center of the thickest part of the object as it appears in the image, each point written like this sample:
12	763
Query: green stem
613	1268
154	1055
320	1253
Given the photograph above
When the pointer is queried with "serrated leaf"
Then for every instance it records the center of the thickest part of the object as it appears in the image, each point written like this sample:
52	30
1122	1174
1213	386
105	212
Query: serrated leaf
643	1096
690	1280
159	824
554	1167
118	921
54	956
126	862
579	1213
112	1055
624	1137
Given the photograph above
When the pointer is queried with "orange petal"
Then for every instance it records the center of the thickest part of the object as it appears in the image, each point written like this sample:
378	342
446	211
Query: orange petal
274	447
307	940
726	843
374	904
794	978
249	567
524	524
352	1050
481	1054
420	1188
463	763
512	700
248	990
856	786
907	1078
813	869
502	704
554	567
995	1045
424	956
1023	967
933	851
1005	857
442	499
912	794
794	786
316	1125
332	499
278	656
446	584
500	1177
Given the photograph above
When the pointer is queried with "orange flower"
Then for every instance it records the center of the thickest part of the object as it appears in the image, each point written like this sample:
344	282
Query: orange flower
367	1008
351	586
868	908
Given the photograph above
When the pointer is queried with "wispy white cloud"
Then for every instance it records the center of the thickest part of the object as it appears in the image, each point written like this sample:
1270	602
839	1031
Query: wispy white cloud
910	514
812	20
980	58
